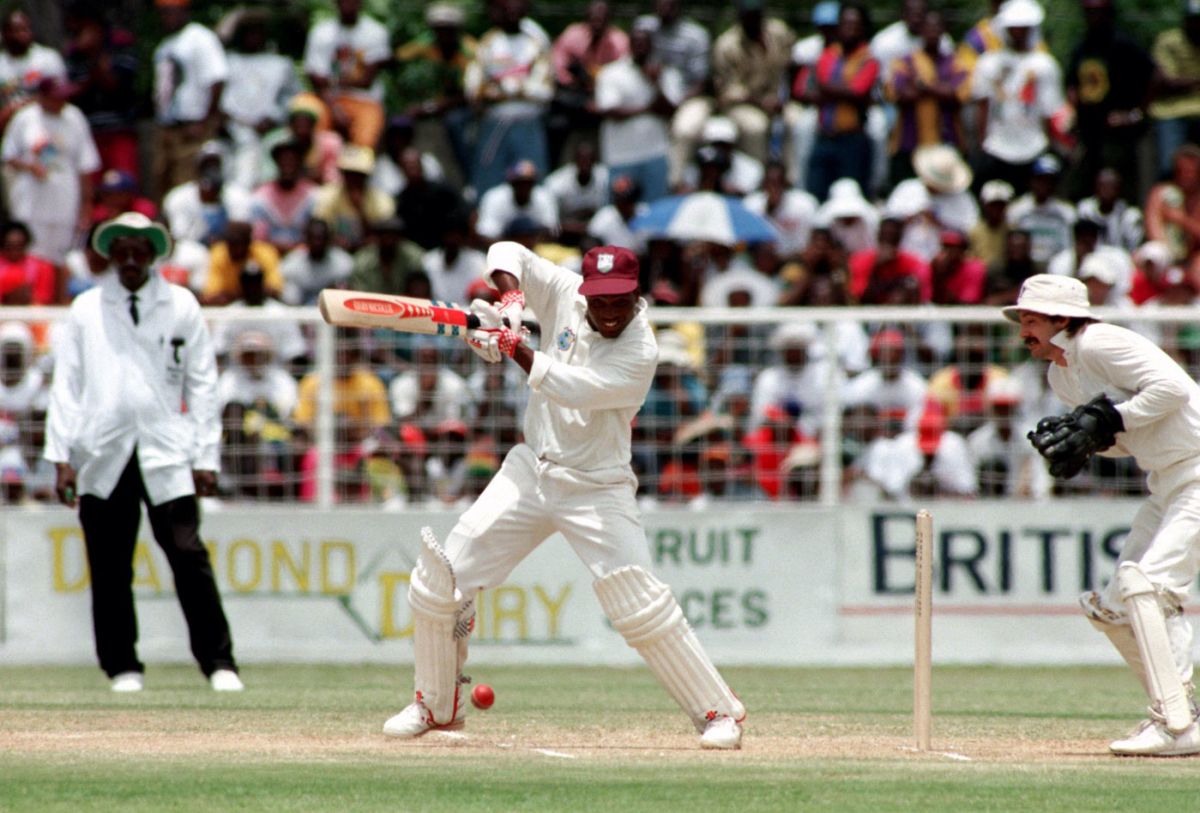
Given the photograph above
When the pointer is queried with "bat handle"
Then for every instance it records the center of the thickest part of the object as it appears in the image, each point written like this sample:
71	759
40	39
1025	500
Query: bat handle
473	322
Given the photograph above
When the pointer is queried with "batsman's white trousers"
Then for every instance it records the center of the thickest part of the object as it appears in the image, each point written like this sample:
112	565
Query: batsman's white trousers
527	501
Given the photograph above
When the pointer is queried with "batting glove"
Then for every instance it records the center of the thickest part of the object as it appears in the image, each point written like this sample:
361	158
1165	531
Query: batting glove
512	308
491	344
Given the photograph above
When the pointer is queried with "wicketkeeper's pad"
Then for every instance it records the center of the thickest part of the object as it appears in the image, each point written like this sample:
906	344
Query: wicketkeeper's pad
1149	624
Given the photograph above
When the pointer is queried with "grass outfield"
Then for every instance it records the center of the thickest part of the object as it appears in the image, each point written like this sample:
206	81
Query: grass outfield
570	739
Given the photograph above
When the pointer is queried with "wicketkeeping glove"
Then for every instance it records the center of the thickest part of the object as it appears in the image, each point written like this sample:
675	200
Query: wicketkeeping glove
1069	441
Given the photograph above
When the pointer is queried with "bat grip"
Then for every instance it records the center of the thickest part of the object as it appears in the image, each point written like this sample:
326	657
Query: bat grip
473	322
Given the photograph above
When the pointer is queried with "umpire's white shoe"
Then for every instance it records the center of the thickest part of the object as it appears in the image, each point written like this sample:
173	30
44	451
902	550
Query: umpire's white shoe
225	680
416	720
724	733
128	682
1154	739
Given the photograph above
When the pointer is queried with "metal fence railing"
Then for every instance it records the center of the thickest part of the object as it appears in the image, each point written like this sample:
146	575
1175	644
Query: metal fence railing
800	404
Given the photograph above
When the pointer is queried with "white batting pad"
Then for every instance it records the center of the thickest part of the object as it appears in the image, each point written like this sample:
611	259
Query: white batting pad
1154	643
435	603
646	614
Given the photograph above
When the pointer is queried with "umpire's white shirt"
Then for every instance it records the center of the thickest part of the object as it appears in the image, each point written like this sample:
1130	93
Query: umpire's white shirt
586	389
117	385
1157	399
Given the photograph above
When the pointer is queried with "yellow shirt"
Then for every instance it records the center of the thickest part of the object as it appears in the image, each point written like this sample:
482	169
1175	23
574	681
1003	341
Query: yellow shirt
224	274
361	398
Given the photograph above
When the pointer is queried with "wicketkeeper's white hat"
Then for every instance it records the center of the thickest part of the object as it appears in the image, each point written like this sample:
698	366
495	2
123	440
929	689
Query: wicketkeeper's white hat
1051	295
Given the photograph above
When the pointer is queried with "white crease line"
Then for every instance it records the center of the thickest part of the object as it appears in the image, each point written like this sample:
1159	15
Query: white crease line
548	753
947	754
451	735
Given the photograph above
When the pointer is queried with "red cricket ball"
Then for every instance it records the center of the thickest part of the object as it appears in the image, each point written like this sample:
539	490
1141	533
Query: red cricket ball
482	696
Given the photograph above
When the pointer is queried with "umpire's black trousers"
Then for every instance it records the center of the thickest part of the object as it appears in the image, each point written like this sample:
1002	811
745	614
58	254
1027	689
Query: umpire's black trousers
110	529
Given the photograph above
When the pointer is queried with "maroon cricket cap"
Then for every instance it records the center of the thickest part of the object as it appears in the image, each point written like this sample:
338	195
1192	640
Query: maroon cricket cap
609	270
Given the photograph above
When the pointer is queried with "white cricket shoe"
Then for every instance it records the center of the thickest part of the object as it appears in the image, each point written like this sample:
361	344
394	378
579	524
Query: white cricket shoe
1153	739
415	720
128	682
225	680
724	733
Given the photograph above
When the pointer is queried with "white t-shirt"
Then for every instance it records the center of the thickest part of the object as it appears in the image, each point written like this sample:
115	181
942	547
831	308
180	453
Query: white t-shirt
450	284
570	196
892	463
274	385
450	400
259	87
1049	224
20	75
793	218
285	335
1015	127
334	51
808	50
304	277
610	228
186	66
763	292
63	144
497	208
906	391
189	218
622	84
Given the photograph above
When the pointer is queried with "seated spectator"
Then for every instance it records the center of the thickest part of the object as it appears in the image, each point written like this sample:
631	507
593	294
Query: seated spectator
769	445
428	393
454	267
888	275
1005	278
257	396
252	314
1102	273
25	279
519	196
387	260
308	126
729	271
1173	208
1085	243
959	387
24	395
744	174
360	408
790	211
187	265
635	96
313	266
955	278
84	266
796	382
851	218
279	209
1122	223
237	256
947	179
988	236
1047	218
387	176
889	385
1005	463
912	204
822	258
1151	262
929	460
117	192
350	205
200	209
425	204
579	188
610	225
343	58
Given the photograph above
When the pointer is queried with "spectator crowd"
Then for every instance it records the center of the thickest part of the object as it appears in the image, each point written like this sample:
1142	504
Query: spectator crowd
909	165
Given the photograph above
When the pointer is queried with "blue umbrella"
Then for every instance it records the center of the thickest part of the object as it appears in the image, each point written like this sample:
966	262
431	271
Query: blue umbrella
704	216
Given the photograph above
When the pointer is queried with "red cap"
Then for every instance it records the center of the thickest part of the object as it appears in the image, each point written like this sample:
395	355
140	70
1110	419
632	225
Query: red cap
609	270
930	428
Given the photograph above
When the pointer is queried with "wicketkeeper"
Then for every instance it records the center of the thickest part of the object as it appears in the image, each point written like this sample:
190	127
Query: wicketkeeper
1130	399
571	475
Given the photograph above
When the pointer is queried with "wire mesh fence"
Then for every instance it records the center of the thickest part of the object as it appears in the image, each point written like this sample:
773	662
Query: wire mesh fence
814	404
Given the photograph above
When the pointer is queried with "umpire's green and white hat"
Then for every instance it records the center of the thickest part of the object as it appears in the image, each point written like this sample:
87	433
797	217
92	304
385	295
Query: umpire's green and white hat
132	224
1051	295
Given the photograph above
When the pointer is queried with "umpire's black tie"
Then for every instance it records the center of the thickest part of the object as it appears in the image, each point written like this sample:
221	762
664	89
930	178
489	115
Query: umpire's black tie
133	307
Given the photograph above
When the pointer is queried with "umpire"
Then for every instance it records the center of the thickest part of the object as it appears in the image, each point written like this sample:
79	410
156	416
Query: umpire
132	419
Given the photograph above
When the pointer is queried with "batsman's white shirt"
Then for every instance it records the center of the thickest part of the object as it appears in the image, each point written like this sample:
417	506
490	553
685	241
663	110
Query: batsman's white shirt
1160	405
117	385
572	474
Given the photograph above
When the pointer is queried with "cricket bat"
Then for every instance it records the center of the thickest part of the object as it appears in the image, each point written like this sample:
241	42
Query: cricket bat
406	314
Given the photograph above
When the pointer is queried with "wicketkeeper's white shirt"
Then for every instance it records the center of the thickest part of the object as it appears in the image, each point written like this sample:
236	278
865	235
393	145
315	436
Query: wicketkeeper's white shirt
586	389
1157	399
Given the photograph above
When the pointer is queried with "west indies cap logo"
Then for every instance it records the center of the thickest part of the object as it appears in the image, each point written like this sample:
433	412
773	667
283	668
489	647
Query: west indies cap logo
609	270
604	263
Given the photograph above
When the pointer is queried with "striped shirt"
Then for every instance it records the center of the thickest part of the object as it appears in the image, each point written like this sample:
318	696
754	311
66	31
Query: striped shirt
858	70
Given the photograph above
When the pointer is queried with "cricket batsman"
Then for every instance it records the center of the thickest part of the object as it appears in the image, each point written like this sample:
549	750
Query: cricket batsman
571	475
1130	399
